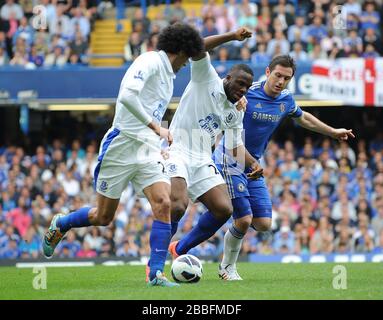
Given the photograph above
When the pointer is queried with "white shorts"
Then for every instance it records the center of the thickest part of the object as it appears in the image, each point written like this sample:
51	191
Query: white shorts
122	159
200	177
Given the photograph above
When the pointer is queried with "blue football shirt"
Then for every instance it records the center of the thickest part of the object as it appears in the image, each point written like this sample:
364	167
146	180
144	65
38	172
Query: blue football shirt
262	117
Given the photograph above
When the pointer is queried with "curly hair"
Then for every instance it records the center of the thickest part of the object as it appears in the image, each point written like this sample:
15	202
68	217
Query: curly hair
180	37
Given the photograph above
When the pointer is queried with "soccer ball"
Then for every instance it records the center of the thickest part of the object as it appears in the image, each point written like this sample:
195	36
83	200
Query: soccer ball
187	268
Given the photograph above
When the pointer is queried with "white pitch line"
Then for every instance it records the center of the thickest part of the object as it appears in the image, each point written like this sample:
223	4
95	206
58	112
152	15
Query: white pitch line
54	264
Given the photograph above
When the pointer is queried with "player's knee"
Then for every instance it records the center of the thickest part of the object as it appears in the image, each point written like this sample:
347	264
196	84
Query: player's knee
178	210
262	226
105	220
162	204
223	211
243	224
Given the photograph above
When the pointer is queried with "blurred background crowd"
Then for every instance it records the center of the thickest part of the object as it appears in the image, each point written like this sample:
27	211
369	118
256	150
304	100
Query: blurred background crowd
307	30
327	198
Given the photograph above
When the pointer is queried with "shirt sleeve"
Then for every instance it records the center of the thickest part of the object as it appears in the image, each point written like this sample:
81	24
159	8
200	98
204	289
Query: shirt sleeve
202	70
295	110
139	72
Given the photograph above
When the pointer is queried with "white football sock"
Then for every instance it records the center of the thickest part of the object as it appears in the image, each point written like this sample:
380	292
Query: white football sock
232	245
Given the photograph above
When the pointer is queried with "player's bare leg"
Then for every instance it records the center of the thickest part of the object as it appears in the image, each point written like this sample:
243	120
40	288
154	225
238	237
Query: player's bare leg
102	215
179	203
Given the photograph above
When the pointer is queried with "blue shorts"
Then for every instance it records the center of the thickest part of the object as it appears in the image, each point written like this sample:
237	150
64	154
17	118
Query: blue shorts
249	197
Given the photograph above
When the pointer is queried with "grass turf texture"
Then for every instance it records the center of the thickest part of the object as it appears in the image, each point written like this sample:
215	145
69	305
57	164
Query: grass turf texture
261	281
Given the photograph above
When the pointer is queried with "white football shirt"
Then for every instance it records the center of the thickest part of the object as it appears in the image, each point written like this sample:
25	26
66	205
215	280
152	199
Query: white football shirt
203	113
151	76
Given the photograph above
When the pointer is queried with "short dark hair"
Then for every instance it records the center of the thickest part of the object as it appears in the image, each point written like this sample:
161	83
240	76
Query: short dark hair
284	61
180	37
241	67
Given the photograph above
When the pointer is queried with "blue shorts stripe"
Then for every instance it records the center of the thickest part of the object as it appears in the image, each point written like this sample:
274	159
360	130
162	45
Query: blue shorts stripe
114	133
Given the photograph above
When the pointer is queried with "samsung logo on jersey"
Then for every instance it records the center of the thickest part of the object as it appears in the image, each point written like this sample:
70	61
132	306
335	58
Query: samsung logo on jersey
266	117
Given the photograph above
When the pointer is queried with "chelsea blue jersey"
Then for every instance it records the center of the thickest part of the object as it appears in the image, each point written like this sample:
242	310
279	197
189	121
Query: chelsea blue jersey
262	116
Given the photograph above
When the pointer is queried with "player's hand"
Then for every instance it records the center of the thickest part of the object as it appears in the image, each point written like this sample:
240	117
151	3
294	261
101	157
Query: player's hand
162	132
242	34
165	134
165	153
342	134
256	171
242	104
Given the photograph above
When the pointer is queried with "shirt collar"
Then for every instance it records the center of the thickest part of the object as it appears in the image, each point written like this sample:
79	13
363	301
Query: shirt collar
165	59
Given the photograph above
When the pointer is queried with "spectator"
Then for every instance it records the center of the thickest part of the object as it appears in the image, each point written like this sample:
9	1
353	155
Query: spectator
79	23
57	58
317	31
60	24
278	40
379	246
377	221
94	239
353	43
86	251
19	217
209	28
260	57
363	238
35	57
30	245
4	60
284	241
300	28
11	10
175	13
298	54
247	18
370	18
343	204
25	31
322	240
134	47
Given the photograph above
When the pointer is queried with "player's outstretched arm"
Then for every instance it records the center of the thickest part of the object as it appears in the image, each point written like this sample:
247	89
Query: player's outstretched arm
310	122
214	41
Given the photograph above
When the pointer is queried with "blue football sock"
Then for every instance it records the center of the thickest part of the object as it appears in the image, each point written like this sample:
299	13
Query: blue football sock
75	219
159	243
174	227
206	227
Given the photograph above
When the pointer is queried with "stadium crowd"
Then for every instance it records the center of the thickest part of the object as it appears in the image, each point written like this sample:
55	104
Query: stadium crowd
311	30
49	33
327	198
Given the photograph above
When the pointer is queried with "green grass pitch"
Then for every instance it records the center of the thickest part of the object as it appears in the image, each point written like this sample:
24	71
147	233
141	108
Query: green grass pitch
261	281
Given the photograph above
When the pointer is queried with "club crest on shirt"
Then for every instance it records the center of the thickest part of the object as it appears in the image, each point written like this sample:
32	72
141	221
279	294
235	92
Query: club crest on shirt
171	168
229	117
241	187
282	107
